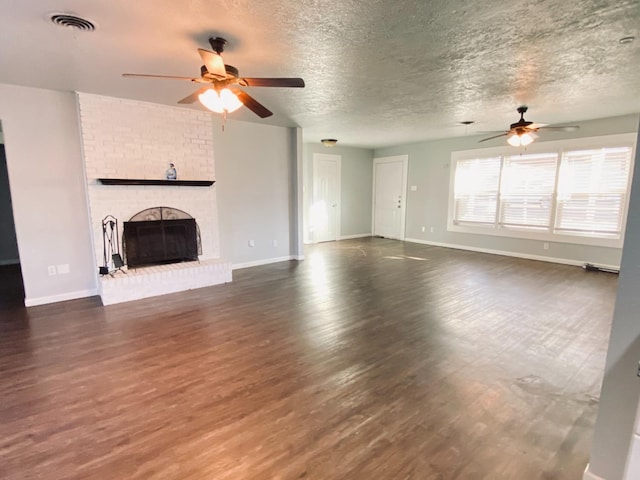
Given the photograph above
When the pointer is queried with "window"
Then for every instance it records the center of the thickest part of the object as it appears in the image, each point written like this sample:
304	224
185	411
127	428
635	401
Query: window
477	183
556	191
592	191
526	190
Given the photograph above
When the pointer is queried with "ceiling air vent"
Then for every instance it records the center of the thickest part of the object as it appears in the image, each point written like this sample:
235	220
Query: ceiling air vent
72	21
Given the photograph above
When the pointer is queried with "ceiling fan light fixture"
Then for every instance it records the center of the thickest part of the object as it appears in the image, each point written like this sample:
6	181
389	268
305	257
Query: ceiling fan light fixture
226	100
514	140
230	100
521	139
526	139
329	142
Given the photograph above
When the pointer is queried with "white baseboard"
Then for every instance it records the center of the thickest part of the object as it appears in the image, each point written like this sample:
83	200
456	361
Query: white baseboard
590	476
11	261
506	253
257	263
359	235
63	297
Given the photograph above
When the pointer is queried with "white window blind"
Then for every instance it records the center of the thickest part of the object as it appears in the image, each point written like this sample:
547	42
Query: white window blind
526	190
592	190
476	190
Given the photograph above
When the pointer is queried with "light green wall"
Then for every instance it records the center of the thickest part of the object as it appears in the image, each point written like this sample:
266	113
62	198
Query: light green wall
356	191
48	191
428	205
255	193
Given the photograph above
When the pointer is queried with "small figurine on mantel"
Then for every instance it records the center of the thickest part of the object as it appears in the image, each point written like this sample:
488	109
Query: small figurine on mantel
172	173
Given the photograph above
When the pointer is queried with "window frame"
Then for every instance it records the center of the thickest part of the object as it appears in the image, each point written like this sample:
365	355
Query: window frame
555	147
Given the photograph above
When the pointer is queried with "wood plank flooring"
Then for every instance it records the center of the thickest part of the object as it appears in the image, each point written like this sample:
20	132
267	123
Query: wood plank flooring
372	359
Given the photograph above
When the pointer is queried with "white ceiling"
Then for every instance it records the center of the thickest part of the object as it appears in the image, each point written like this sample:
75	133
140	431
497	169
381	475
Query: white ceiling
377	72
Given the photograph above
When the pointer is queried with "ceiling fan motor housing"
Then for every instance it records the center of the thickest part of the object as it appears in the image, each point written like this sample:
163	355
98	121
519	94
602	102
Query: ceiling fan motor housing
232	72
522	124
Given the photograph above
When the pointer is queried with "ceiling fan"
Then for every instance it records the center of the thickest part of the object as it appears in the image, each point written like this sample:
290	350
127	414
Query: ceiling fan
220	92
523	133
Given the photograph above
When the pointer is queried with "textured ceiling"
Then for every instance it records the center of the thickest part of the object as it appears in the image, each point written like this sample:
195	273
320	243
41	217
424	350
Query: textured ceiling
377	72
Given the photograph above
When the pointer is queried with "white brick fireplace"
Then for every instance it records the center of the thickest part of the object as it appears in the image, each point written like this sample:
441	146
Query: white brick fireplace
128	139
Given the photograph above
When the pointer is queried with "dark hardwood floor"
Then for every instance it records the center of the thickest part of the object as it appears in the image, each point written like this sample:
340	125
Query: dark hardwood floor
372	359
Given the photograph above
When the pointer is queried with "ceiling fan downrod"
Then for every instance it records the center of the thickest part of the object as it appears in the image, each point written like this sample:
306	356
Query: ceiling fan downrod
217	44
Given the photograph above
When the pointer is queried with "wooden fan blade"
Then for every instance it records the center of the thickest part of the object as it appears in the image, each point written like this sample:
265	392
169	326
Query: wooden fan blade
214	63
194	96
170	77
495	136
252	104
273	82
561	128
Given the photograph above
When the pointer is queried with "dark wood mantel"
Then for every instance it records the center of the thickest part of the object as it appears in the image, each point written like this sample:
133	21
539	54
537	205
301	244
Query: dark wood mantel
173	183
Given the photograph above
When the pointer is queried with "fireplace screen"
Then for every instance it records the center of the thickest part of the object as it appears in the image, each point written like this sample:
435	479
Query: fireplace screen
158	236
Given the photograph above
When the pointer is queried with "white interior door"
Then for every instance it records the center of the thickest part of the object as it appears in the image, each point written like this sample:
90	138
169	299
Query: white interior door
324	215
389	196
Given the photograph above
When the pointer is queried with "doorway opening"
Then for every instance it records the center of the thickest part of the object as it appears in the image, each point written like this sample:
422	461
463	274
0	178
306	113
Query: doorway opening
11	283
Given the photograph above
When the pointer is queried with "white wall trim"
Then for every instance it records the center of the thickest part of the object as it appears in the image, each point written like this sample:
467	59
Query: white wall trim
11	261
266	261
590	476
63	297
506	253
358	235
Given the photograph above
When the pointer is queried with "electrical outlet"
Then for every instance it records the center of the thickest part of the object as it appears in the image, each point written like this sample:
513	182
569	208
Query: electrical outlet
63	269
275	243
431	229
545	245
51	270
252	243
424	229
414	188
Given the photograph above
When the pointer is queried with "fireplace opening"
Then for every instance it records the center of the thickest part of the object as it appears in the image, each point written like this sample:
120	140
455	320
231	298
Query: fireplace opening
160	235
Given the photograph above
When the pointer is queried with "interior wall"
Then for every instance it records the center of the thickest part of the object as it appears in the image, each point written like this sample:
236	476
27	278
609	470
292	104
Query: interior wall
296	235
427	205
620	394
255	195
8	242
356	189
48	191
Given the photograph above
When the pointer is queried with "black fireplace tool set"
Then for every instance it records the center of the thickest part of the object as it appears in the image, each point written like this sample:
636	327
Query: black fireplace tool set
112	260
